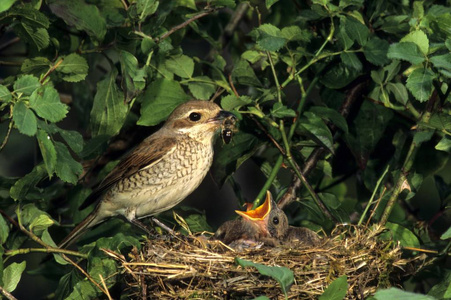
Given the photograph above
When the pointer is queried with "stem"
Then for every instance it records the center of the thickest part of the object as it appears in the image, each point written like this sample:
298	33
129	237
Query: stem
44	250
370	202
316	57
7	294
47	248
186	23
276	80
406	168
8	133
269	181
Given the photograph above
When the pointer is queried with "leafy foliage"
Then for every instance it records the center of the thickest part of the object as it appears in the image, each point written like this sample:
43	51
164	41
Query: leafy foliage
337	90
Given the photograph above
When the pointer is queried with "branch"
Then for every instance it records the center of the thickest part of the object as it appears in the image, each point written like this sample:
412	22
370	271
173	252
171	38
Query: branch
290	195
7	294
8	133
186	23
409	160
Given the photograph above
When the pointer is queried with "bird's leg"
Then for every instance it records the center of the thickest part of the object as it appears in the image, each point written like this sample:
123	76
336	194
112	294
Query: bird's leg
142	226
156	221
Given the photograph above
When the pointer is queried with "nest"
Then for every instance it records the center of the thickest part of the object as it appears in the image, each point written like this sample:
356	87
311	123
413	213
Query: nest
193	267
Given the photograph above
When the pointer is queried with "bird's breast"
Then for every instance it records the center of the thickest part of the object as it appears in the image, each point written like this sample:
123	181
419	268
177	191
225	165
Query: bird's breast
164	184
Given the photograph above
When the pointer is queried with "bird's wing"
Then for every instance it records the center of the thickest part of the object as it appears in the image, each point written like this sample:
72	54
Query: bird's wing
147	153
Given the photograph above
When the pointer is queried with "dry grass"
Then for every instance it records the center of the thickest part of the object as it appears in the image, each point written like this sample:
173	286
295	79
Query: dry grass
197	268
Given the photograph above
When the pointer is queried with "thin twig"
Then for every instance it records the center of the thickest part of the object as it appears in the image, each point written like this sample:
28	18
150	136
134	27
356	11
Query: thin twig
9	43
5	141
290	195
84	273
186	23
105	287
7	294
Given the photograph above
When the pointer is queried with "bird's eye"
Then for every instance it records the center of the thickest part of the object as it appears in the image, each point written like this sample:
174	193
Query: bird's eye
275	220
195	116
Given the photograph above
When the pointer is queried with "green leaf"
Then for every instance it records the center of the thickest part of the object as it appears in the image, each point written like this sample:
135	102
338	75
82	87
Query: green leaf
202	89
181	65
84	289
351	60
231	102
66	167
231	156
24	119
442	61
83	16
5	94
336	290
446	235
375	51
36	36
159	100
419	38
73	139
399	91
407	51
252	56
294	33
394	293
109	110
401	234
339	76
244	74
419	83
135	77
270	3
281	111
444	144
46	238
21	188
367	129
270	38
332	115
36	65
103	266
74	68
12	275
356	31
314	125
48	151
146	8
283	275
197	223
26	85
6	4
392	70
46	102
4	230
31	16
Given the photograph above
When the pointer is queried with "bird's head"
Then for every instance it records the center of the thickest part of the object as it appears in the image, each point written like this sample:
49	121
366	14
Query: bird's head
270	220
198	119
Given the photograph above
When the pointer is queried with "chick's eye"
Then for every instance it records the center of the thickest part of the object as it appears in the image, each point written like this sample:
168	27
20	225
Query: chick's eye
195	116
275	220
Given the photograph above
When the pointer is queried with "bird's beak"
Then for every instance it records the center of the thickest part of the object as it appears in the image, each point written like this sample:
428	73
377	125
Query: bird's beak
260	213
223	114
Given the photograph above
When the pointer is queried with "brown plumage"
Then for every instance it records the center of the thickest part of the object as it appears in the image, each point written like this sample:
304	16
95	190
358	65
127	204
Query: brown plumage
161	171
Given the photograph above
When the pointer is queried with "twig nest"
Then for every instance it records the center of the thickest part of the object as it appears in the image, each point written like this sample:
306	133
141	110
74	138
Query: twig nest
196	267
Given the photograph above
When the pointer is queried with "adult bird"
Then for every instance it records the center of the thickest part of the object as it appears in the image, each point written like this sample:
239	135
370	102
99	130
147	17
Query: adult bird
161	171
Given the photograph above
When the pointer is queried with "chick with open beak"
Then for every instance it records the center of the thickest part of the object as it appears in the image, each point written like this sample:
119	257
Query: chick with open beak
268	224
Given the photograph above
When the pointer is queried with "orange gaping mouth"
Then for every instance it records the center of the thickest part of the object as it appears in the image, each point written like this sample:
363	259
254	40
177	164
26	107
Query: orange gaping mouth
259	213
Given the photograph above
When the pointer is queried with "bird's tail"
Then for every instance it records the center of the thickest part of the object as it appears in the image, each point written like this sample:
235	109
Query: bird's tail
89	221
